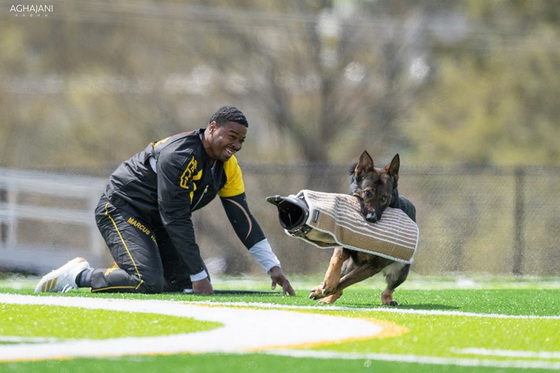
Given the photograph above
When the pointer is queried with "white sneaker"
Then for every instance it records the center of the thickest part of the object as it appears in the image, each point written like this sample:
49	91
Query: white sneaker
63	279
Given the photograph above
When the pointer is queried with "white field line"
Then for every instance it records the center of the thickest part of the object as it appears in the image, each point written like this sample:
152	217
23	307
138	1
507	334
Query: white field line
272	331
433	360
243	330
509	353
328	307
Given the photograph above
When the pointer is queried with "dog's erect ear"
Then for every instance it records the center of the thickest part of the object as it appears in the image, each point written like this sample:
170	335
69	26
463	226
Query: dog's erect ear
365	164
393	167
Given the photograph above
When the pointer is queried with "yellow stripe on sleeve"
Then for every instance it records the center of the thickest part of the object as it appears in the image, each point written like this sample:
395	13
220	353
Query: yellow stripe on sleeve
234	184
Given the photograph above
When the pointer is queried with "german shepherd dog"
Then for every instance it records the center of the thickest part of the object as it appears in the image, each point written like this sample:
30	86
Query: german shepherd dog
376	188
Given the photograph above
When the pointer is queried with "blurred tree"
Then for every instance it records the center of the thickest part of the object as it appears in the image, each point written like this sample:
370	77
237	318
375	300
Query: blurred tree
330	77
321	80
493	98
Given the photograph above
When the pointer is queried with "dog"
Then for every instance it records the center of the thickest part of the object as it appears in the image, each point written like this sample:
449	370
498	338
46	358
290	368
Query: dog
376	189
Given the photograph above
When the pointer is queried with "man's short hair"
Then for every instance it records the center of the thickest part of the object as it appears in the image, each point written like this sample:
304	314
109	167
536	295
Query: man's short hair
229	114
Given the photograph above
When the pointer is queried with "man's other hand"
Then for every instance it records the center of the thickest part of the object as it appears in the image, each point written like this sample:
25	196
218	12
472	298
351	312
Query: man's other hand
277	277
202	286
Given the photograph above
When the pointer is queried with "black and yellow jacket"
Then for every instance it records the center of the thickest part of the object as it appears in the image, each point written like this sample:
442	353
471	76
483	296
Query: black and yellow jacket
171	178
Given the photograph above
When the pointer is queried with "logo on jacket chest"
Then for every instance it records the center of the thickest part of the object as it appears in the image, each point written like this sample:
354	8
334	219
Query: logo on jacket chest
190	174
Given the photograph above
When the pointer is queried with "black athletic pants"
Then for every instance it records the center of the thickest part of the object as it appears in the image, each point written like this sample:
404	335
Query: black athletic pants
145	259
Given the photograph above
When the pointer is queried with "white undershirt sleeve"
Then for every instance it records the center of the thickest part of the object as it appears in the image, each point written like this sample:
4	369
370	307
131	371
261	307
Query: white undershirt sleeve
262	252
199	276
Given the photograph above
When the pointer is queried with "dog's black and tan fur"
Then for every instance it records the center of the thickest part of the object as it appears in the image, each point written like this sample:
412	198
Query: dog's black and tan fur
376	189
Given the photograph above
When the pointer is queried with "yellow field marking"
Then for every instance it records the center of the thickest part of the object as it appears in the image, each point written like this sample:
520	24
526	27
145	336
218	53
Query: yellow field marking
388	330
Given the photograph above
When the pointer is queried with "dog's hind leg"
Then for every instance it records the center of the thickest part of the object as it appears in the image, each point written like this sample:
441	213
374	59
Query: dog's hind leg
332	277
395	274
358	274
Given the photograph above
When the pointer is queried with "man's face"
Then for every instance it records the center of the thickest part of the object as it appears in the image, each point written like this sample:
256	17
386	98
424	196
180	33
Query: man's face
225	140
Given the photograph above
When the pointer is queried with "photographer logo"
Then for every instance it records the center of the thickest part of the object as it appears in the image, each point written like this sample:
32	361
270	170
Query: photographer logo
31	10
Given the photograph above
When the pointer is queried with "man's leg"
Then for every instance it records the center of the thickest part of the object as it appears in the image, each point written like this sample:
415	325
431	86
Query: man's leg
132	244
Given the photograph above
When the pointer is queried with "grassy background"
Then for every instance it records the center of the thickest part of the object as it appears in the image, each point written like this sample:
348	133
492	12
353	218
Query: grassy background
71	322
437	335
250	363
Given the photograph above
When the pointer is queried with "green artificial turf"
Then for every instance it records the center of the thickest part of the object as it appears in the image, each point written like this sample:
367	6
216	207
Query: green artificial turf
78	323
437	322
443	335
249	363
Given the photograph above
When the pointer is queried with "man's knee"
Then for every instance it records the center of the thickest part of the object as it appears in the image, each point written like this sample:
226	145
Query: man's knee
152	284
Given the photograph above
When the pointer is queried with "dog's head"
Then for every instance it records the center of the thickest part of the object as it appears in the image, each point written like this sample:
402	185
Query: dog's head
374	187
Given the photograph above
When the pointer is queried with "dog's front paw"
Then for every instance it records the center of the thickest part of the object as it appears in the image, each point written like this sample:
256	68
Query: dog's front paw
329	287
316	292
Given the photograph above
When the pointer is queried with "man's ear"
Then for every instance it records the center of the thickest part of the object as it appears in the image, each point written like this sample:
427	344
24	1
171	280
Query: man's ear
212	126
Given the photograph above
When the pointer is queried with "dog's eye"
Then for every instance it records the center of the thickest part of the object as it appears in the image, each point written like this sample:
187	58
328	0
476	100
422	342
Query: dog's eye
367	194
383	200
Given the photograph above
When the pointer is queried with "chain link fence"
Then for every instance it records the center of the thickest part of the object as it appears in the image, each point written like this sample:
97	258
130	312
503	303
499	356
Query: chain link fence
485	220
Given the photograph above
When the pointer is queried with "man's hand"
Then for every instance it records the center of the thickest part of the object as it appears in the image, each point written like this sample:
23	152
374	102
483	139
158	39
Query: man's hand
202	287
278	277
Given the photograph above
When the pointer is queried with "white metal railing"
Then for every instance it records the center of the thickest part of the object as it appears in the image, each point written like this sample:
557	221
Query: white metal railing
38	196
